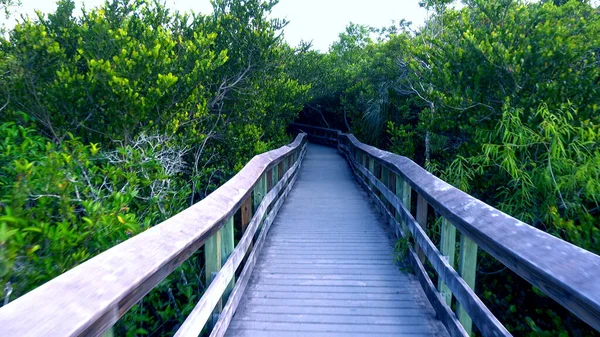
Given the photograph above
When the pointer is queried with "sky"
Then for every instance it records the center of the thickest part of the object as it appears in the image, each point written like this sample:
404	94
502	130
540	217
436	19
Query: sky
319	21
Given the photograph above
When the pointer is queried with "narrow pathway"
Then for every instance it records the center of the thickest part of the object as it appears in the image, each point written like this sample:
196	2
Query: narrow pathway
327	267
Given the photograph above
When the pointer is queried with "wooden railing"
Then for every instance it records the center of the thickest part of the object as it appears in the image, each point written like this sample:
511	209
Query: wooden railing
317	134
89	299
566	273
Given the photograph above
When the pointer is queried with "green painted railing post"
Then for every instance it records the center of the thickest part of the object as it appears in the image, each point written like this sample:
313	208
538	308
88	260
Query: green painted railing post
227	246
285	164
467	267
422	208
212	261
402	190
109	333
275	175
259	192
448	249
372	170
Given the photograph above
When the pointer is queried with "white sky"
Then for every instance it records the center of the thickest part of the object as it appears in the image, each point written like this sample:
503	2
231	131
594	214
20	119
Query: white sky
318	20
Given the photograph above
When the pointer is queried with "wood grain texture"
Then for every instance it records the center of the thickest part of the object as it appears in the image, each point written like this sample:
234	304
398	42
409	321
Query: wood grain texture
89	299
224	321
561	270
484	319
327	268
448	250
197	319
467	268
422	220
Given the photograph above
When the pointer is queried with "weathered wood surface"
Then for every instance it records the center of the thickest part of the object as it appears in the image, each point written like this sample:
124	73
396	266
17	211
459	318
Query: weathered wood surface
195	322
327	266
90	298
561	270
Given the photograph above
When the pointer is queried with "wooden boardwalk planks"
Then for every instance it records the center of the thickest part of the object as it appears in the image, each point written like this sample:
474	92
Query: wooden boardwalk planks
327	266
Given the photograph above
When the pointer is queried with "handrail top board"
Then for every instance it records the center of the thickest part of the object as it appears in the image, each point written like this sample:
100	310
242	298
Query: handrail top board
94	295
316	127
567	273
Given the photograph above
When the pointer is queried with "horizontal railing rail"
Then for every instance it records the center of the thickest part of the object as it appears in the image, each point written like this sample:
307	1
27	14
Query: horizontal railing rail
563	271
317	134
89	299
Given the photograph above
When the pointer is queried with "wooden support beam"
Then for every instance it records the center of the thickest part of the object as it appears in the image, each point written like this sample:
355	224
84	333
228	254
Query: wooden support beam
371	168
227	246
246	213
213	262
422	220
467	268
400	186
280	169
270	179
259	192
109	333
448	249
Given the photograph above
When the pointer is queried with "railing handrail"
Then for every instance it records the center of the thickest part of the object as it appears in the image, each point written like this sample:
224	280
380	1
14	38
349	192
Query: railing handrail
91	297
561	270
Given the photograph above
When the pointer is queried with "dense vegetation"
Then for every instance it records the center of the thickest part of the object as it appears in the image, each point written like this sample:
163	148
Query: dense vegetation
117	119
501	98
112	121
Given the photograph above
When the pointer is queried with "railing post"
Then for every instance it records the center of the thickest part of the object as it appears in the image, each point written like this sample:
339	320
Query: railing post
270	183
246	215
275	176
213	261
448	249
403	192
227	247
372	170
109	333
259	192
422	220
467	268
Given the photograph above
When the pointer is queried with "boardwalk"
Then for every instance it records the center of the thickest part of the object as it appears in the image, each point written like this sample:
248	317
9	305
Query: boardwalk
327	267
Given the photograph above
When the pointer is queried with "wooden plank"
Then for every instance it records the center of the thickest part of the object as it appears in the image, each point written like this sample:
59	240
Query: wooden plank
467	269
195	322
270	181
109	333
400	192
275	174
447	248
561	270
71	305
422	220
280	169
259	192
436	299
246	213
289	178
227	246
322	284
213	262
486	322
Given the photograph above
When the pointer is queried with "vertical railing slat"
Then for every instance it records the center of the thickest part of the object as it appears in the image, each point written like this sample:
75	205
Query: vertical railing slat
467	268
448	249
422	220
400	186
227	246
212	262
259	192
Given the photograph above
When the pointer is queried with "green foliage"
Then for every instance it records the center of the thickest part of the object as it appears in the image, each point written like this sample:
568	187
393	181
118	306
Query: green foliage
116	119
499	98
62	204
